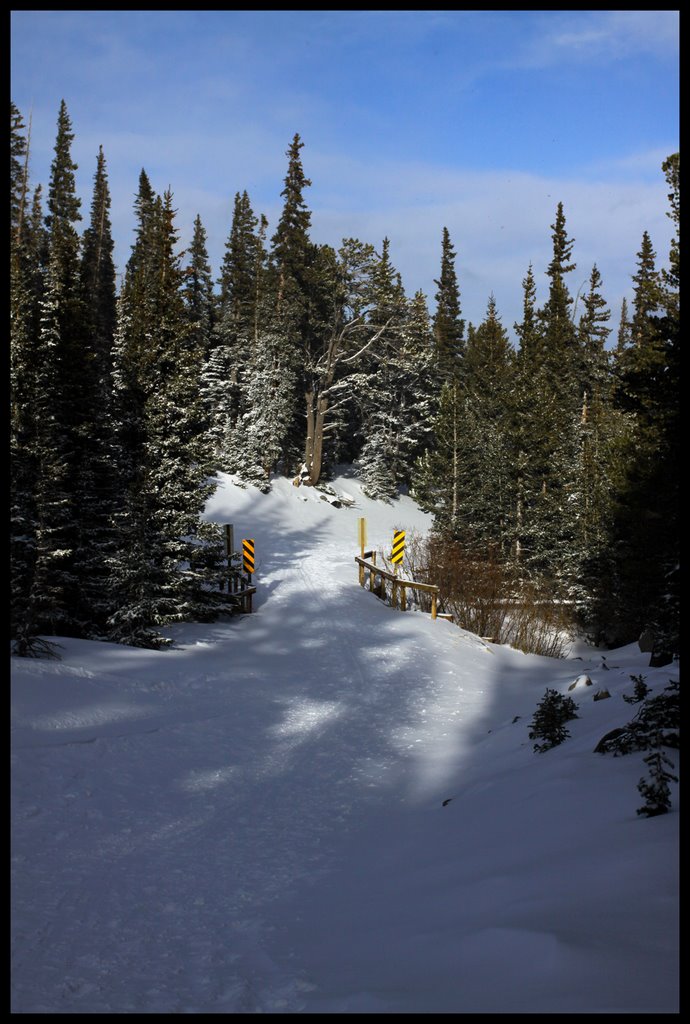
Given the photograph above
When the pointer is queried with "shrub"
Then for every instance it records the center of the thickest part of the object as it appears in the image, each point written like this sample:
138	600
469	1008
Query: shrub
549	720
655	789
640	690
657	723
483	594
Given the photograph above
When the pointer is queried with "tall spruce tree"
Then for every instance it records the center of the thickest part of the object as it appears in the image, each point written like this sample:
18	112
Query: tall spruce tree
488	491
550	410
24	299
438	473
602	433
60	406
525	413
379	396
158	574
448	326
229	371
647	529
291	245
96	477
301	305
198	291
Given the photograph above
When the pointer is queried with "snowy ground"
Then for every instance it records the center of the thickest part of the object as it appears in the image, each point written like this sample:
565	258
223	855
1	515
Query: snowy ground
254	821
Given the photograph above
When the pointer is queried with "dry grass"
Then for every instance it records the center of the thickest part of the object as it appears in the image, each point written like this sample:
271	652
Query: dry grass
486	597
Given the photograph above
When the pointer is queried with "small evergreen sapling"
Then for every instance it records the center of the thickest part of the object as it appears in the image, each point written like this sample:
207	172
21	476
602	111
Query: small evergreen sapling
640	690
655	789
548	721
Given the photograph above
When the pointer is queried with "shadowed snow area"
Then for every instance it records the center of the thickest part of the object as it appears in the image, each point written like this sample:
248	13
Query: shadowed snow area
330	806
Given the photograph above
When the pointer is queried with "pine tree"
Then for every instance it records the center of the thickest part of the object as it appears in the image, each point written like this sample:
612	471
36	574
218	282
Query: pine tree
291	246
379	394
655	789
624	337
244	304
524	411
398	398
488	493
95	474
549	720
198	292
593	334
24	299
244	258
259	434
646	529
560	339
59	404
302	307
602	434
548	397
438	475
158	576
448	326
19	174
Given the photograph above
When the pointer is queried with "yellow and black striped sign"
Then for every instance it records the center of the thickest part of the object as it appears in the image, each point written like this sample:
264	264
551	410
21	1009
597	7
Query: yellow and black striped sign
248	555
398	546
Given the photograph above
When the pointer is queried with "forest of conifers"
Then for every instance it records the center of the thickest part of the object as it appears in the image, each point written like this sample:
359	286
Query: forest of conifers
555	461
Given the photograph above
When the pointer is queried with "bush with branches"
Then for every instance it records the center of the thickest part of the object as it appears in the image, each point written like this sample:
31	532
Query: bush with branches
655	789
549	720
486	597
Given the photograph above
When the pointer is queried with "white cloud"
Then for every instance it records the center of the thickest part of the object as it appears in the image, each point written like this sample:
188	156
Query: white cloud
592	35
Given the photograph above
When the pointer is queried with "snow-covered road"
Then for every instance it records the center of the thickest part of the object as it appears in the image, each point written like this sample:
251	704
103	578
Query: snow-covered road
228	826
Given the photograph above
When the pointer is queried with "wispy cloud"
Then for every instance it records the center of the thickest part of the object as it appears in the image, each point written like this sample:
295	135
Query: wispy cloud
588	36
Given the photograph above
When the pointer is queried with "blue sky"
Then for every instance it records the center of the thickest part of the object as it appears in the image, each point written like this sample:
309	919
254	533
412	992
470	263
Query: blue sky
412	121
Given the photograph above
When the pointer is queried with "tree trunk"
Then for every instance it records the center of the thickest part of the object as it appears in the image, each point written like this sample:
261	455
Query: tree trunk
313	449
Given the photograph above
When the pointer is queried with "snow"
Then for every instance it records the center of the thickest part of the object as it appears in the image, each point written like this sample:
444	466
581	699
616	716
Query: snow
331	806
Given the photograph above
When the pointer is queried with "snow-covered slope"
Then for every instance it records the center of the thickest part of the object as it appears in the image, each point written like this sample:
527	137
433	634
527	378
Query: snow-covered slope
330	806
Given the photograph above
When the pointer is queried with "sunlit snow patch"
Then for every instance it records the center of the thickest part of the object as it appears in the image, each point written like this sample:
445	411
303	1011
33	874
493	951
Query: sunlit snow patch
305	715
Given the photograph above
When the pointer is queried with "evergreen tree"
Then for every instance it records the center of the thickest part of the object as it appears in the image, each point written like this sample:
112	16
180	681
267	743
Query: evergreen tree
244	304
488	491
257	442
646	529
243	259
19	174
655	789
23	329
656	723
624	336
291	246
379	395
524	412
438	475
593	334
399	399
548	398
549	720
448	326
602	434
418	387
60	409
198	292
308	288
556	316
157	571
95	474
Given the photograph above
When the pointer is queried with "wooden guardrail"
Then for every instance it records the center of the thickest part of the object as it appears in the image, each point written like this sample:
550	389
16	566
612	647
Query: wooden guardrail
240	592
399	587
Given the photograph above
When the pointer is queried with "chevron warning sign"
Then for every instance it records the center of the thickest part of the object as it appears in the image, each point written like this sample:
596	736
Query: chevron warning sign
248	556
398	546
